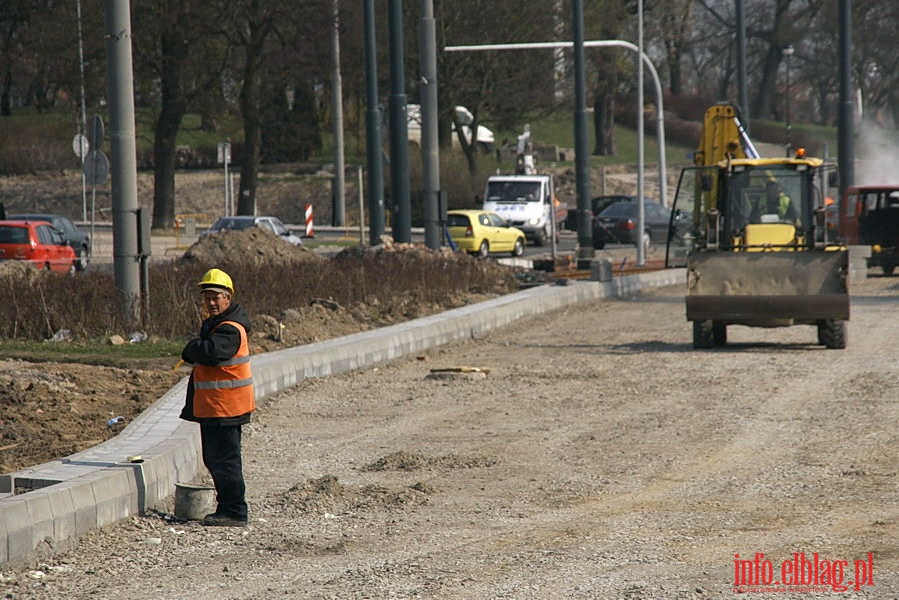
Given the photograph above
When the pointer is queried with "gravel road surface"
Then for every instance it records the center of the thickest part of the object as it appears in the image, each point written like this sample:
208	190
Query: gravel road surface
600	457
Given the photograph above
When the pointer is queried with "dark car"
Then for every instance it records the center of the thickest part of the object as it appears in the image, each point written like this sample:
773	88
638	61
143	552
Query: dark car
79	240
617	224
597	205
600	203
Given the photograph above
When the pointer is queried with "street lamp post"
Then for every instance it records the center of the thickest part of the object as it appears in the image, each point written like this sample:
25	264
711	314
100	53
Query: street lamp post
788	53
83	124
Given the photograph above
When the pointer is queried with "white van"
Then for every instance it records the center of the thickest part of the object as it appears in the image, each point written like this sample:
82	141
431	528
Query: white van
525	202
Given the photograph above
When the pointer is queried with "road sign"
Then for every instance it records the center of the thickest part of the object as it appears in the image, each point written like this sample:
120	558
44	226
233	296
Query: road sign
80	145
96	132
96	167
224	153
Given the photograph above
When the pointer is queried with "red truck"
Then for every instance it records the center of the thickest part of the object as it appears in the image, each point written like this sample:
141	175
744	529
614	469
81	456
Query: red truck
869	216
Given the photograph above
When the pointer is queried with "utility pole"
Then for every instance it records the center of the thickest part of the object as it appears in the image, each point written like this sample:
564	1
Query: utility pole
399	129
339	188
430	158
581	153
373	130
845	152
83	124
641	211
788	53
123	163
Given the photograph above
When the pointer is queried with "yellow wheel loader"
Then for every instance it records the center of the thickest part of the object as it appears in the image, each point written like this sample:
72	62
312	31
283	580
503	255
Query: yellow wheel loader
752	234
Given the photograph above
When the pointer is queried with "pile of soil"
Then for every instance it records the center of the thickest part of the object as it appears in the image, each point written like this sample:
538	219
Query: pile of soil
253	245
52	410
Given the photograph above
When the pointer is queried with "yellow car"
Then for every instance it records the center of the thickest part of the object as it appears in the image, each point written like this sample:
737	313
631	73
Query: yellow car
482	232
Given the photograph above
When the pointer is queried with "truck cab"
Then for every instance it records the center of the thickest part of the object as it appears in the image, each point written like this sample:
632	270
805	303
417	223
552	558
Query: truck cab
869	216
526	202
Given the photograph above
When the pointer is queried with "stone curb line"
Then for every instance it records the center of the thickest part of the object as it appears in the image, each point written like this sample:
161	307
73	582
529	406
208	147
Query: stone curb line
44	509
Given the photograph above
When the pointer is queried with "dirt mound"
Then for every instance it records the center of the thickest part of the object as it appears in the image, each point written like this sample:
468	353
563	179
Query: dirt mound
326	495
319	321
413	461
253	245
50	410
324	318
613	179
423	255
17	269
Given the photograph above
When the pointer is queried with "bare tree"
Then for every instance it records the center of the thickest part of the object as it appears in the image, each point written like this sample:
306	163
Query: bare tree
281	44
187	61
673	33
876	60
608	20
487	83
13	17
260	32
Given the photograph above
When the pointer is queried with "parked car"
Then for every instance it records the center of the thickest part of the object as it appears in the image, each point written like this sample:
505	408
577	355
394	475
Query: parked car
617	224
597	205
272	224
600	203
37	242
79	240
482	232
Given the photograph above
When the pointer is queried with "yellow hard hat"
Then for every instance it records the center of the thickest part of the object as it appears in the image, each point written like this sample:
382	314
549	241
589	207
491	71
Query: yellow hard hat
216	279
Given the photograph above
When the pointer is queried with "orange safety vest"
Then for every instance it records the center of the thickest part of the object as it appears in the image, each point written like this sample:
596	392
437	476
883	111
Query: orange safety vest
225	390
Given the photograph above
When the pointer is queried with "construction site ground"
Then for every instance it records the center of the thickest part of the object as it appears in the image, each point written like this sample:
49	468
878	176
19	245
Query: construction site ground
592	454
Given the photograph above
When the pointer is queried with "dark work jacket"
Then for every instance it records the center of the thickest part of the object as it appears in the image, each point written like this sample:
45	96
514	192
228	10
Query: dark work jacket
211	348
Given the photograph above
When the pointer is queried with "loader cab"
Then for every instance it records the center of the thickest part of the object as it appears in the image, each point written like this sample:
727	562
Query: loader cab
751	205
764	208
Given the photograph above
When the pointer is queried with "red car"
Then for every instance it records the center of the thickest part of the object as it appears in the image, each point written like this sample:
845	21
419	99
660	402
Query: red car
38	243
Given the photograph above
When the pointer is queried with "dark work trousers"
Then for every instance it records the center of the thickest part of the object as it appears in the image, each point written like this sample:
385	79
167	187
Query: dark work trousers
221	455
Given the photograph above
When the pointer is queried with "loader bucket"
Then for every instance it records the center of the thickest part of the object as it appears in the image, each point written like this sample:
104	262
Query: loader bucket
767	289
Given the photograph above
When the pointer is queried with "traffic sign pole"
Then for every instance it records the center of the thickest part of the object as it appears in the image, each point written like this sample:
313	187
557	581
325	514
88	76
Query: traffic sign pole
224	157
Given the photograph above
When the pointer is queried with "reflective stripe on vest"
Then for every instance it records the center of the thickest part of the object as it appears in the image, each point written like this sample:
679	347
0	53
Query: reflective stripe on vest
225	390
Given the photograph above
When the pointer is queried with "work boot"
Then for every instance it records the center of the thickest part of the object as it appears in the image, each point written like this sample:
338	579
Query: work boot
217	520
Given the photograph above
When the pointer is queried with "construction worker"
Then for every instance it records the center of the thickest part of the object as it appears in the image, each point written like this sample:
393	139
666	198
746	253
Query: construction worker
220	394
776	202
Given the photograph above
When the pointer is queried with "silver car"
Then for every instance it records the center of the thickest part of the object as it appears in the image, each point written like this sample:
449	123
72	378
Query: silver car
272	224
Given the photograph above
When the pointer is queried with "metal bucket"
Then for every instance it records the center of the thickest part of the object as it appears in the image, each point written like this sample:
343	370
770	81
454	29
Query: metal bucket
767	289
193	502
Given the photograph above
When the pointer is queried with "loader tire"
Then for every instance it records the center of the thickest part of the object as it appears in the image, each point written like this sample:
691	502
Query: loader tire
703	335
719	333
832	334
